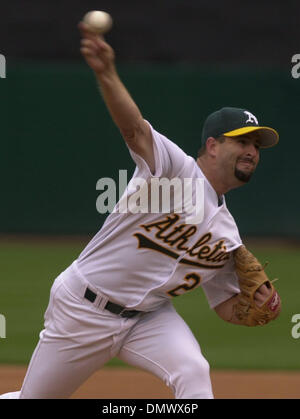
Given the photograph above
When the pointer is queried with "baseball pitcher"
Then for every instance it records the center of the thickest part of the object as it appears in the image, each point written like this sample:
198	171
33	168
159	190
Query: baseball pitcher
115	299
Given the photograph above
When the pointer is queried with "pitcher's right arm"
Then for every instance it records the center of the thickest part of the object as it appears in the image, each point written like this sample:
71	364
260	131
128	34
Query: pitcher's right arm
125	113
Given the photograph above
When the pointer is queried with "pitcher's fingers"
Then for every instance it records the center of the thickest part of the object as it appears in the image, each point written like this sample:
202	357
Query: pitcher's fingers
87	52
88	43
86	32
259	299
264	290
96	44
102	45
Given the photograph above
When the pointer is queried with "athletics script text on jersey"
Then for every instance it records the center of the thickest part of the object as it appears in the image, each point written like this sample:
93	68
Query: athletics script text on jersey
169	231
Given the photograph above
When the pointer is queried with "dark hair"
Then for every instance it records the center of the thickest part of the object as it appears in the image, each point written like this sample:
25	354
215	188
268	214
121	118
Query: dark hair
202	150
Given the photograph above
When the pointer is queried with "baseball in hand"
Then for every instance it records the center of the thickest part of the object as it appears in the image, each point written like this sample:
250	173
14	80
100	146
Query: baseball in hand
98	22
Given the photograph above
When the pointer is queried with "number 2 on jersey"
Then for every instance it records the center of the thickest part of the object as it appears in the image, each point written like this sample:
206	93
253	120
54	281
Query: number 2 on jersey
192	281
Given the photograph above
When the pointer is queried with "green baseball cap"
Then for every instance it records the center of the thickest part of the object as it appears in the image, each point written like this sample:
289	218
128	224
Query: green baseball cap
233	122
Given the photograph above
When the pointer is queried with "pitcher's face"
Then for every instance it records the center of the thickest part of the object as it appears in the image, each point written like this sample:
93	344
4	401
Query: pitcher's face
237	158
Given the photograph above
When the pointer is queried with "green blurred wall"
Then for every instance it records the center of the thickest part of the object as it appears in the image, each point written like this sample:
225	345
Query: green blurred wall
57	140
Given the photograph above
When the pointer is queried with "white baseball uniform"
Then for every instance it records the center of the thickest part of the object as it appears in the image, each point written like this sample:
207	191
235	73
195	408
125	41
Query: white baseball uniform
139	261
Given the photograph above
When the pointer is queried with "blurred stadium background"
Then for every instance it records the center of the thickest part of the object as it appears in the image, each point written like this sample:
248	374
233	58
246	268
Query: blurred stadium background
180	60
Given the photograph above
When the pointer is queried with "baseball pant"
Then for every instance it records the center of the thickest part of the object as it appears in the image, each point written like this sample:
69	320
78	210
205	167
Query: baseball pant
80	337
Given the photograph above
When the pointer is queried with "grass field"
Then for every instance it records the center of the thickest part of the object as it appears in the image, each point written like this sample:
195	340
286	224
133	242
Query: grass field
29	266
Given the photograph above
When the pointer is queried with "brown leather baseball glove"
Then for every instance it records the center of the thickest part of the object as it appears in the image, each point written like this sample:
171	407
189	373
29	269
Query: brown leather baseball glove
251	277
